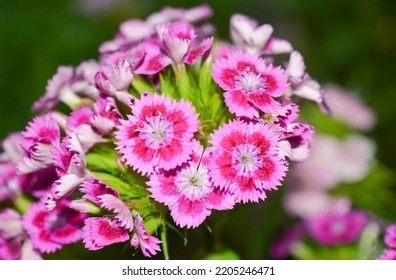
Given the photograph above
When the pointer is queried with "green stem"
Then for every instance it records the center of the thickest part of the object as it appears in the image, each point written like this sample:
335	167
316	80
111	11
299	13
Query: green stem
164	240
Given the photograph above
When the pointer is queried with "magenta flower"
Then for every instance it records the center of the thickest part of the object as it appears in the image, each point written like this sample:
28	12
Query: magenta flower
178	42
147	243
49	231
390	236
153	61
41	135
250	37
332	228
249	83
158	134
388	254
101	232
245	160
188	191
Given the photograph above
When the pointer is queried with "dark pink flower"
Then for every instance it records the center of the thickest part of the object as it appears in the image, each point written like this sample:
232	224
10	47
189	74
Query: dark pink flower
390	236
249	83
49	231
245	161
388	254
158	134
100	232
334	228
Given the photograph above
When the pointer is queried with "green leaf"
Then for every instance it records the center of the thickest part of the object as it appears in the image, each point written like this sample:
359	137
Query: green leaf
168	86
141	85
118	184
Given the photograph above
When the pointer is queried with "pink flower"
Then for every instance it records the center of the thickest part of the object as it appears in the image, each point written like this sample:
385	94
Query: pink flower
245	160
158	134
249	83
93	189
178	42
123	214
388	254
100	232
349	108
337	161
250	37
49	231
153	61
332	229
13	241
390	236
106	115
58	89
41	135
302	85
79	122
113	78
147	243
188	191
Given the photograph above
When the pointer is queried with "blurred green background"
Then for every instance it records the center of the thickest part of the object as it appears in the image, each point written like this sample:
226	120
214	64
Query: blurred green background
350	43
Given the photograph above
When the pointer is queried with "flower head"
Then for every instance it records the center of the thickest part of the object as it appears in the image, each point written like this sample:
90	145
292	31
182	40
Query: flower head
178	42
390	236
332	229
250	84
49	231
245	160
250	37
158	134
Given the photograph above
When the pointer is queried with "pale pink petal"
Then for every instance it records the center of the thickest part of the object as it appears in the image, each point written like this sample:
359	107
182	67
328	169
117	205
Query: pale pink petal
116	205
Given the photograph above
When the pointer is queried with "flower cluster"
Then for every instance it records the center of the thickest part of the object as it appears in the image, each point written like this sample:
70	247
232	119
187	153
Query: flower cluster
166	120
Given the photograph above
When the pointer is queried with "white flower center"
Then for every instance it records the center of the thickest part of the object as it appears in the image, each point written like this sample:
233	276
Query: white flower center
157	131
338	227
193	182
246	159
250	80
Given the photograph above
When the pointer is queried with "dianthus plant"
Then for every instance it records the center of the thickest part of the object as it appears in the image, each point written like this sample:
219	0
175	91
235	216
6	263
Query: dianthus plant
168	120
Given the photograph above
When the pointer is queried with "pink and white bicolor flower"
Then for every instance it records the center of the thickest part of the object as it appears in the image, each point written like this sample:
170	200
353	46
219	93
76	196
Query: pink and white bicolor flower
246	160
188	190
178	42
249	84
41	135
302	85
58	89
249	36
111	79
147	243
70	163
158	134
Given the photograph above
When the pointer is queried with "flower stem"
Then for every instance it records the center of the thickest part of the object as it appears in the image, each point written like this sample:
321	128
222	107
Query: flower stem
164	240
